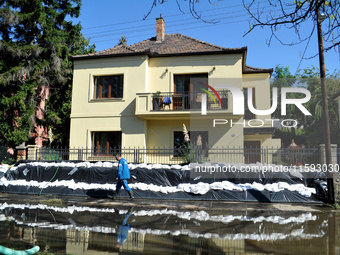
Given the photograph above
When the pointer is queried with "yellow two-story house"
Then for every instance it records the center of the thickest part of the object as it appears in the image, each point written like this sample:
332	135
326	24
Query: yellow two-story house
139	96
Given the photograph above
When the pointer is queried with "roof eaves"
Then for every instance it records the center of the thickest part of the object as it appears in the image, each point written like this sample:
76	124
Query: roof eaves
249	70
155	54
214	52
110	55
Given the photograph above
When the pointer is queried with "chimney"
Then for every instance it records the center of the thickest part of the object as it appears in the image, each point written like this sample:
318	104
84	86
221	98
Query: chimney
160	29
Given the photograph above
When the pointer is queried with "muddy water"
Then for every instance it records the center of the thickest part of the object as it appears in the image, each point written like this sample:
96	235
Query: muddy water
132	230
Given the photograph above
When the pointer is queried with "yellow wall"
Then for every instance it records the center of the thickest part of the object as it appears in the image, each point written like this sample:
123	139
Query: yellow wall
261	83
226	66
134	70
161	133
142	75
89	114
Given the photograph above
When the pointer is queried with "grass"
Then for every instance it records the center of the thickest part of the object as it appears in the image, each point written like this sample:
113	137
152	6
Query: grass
335	206
52	201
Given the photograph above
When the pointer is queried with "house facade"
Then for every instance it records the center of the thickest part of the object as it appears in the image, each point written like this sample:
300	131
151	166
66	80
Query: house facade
140	96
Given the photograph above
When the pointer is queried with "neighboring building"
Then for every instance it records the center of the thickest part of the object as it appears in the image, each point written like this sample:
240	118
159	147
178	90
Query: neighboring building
114	96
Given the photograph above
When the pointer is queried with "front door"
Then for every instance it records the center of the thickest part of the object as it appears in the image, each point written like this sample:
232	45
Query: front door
252	152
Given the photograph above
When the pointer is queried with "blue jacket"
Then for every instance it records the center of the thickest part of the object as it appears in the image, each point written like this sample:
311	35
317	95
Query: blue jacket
123	231
123	170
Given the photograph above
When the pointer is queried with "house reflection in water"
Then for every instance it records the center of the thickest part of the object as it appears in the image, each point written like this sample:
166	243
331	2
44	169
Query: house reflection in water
89	230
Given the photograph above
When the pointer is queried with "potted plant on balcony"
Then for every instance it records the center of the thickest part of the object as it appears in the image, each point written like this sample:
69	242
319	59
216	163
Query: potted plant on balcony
156	100
224	99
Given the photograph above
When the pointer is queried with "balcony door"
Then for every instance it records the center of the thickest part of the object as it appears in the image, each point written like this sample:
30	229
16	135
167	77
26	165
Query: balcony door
187	90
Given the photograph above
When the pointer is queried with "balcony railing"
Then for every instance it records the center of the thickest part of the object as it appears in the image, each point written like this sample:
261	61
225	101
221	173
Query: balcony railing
186	101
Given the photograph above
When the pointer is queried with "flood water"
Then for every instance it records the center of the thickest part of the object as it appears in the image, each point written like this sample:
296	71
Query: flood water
134	230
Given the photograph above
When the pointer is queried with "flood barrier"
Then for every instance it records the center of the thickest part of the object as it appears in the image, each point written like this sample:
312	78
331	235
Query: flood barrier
167	181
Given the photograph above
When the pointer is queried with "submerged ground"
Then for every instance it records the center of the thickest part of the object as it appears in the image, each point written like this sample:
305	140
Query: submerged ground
85	225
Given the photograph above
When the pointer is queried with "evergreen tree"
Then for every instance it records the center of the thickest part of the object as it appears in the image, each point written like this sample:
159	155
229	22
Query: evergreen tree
36	39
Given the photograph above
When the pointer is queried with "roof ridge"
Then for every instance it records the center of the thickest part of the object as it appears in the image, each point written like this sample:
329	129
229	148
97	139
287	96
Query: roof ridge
138	43
200	41
115	47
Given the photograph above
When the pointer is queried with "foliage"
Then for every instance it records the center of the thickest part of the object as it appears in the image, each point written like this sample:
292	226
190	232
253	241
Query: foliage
184	150
122	40
50	155
335	206
52	201
156	95
282	78
37	38
5	157
310	127
313	126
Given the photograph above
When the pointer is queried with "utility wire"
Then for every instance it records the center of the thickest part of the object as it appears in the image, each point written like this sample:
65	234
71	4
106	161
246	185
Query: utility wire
303	55
172	31
170	26
168	16
176	21
128	31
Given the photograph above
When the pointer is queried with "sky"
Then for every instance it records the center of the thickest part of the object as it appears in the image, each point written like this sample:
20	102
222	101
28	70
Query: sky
104	22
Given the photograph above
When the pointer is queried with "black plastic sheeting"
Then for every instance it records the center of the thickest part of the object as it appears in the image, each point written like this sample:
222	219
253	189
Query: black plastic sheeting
161	177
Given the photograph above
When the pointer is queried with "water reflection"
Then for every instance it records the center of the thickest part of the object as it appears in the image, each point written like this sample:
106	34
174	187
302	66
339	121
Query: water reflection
128	230
123	230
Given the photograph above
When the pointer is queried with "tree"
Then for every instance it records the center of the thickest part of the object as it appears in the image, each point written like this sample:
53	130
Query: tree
191	5
310	131
122	40
313	125
36	39
282	77
296	15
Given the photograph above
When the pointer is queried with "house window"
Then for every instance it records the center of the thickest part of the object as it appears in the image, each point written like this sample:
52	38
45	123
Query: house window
179	145
248	115
107	142
108	86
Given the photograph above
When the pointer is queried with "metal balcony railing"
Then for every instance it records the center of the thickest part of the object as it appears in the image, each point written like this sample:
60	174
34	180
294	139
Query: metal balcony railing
186	101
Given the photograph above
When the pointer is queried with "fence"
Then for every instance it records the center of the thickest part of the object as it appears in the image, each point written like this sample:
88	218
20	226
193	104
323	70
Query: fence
280	156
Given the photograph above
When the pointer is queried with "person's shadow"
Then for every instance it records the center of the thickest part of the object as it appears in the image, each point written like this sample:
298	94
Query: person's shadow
123	229
99	193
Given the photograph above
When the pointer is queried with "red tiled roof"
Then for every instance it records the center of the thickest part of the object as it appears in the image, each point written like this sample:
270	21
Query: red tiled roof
173	44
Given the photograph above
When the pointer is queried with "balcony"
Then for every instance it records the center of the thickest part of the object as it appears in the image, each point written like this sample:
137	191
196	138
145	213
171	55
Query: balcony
181	104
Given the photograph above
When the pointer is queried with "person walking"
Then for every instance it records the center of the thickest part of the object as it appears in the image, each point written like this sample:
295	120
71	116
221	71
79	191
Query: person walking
123	175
